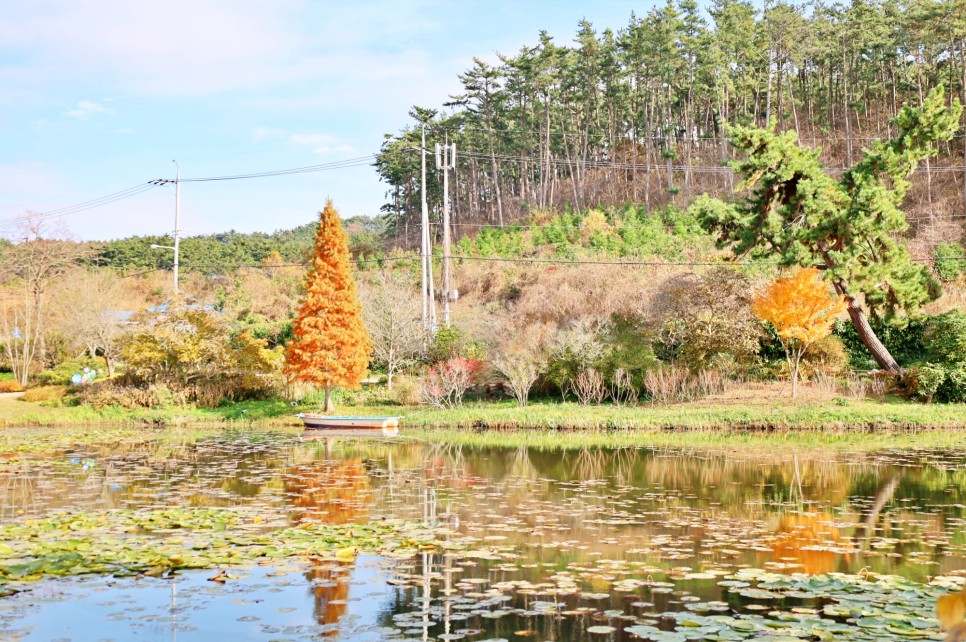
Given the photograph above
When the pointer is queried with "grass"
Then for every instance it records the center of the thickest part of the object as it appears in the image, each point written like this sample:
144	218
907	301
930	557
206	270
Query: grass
762	409
685	439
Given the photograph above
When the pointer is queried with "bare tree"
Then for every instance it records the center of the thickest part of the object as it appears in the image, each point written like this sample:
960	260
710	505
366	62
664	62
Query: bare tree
90	313
392	313
39	254
523	359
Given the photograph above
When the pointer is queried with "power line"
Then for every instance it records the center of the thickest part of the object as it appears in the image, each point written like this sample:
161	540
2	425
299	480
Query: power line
143	187
529	260
350	162
83	206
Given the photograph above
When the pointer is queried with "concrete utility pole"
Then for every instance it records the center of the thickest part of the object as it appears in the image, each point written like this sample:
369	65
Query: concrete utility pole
177	222
445	161
429	303
176	248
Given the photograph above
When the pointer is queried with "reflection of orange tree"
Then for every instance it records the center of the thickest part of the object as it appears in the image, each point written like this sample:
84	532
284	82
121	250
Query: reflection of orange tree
330	589
806	538
330	492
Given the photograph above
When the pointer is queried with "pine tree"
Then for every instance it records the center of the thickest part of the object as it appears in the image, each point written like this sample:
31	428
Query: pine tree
330	346
796	212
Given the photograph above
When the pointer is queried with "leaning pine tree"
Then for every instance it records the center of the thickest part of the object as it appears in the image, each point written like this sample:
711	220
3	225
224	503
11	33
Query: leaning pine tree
330	346
850	228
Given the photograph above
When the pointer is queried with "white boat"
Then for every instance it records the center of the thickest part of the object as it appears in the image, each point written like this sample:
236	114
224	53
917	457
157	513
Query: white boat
329	422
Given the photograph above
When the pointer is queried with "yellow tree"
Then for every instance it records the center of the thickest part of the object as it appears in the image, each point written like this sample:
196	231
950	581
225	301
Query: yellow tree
802	310
330	346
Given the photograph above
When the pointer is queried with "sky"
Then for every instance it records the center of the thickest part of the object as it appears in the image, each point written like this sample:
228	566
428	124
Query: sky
98	96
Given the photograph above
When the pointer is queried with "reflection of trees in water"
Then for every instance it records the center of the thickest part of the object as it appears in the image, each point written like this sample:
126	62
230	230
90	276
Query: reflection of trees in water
329	492
330	593
805	539
205	472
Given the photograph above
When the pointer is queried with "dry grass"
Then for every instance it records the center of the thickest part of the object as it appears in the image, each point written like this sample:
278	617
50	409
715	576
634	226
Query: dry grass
771	393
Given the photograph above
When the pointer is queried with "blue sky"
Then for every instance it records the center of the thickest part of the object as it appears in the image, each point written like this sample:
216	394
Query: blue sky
100	95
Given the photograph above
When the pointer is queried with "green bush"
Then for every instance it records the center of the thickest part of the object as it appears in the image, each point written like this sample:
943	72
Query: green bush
924	380
949	261
953	388
944	337
60	374
903	338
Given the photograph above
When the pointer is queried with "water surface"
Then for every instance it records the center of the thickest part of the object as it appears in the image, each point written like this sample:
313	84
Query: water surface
599	538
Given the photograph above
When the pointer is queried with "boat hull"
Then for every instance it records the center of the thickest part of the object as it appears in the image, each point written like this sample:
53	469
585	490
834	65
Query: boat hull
327	422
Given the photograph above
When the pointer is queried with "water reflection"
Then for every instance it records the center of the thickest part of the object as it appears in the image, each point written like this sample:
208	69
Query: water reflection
541	520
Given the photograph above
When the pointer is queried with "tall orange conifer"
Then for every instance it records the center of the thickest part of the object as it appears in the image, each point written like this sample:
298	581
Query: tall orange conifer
330	346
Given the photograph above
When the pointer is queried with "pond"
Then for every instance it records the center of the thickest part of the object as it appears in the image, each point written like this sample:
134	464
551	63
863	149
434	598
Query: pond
476	543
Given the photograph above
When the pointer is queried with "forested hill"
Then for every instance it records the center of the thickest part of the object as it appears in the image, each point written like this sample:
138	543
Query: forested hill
637	112
212	253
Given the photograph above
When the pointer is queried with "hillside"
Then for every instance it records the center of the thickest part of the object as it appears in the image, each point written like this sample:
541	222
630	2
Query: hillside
639	113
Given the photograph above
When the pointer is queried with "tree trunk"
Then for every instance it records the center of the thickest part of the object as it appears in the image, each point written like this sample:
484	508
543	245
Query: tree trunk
329	406
863	328
867	335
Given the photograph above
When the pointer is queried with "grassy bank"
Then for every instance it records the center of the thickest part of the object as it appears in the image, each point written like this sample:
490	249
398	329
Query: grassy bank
772	441
744	413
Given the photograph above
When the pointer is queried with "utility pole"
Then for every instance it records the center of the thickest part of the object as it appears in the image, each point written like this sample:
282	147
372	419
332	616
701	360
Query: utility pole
429	303
176	248
445	161
177	222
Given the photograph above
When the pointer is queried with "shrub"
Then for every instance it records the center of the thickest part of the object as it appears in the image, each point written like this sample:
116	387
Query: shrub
827	356
672	383
111	393
949	261
623	389
45	394
107	394
701	317
405	391
944	337
522	359
856	387
903	338
446	383
61	373
10	385
573	350
953	389
193	351
588	386
924	380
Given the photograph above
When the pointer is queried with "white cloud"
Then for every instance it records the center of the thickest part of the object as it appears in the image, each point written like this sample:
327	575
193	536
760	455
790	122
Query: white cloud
267	133
201	47
87	109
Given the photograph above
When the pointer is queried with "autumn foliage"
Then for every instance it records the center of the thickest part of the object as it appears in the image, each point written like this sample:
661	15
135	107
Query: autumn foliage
802	311
330	346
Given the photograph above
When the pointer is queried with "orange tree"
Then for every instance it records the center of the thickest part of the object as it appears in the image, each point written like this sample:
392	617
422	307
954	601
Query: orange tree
330	346
802	310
